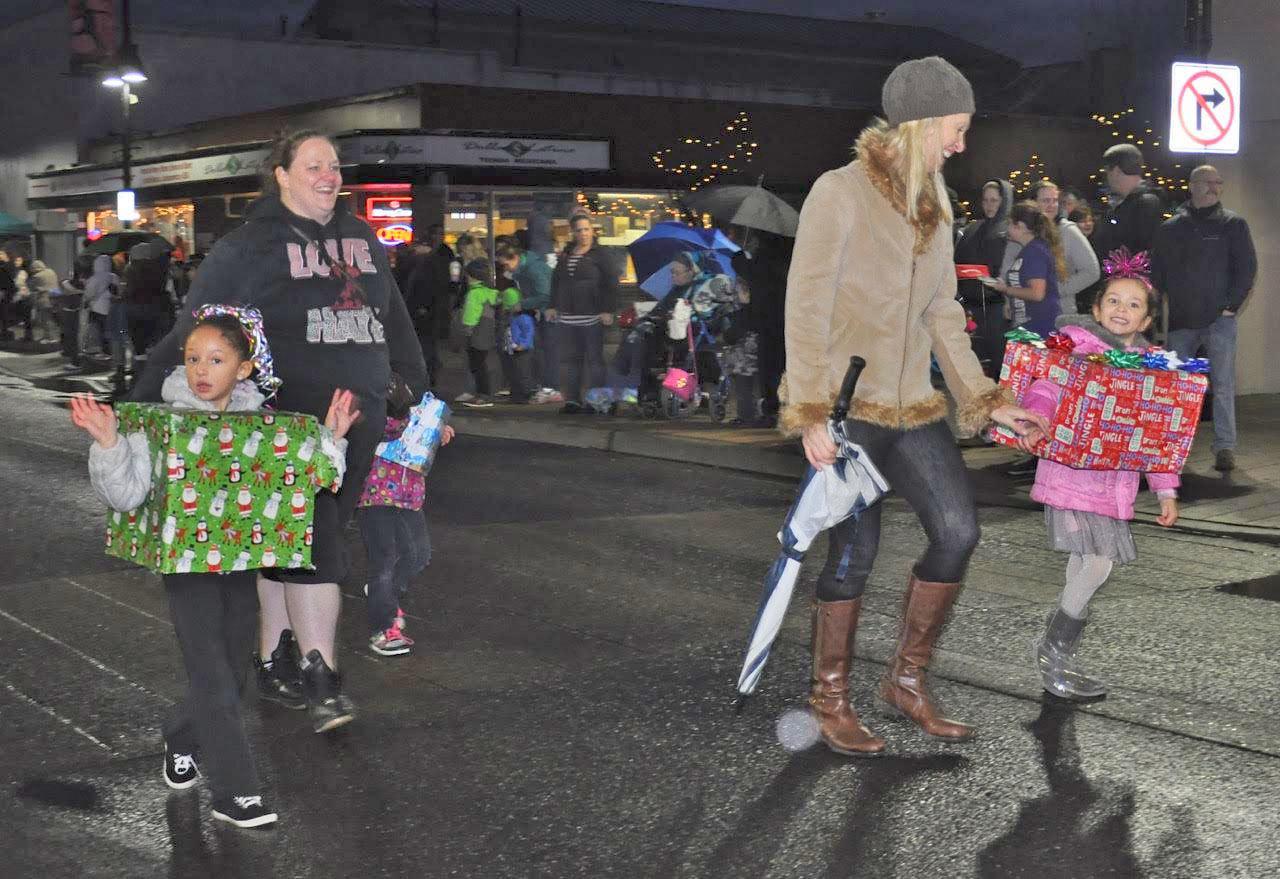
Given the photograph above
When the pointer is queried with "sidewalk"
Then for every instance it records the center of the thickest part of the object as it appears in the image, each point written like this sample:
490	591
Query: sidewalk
1244	502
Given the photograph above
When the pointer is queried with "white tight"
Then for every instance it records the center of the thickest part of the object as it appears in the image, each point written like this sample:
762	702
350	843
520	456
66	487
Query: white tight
1085	575
309	609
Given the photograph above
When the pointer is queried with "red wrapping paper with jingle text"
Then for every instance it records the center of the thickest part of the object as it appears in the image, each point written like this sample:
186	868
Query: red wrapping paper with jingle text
1108	418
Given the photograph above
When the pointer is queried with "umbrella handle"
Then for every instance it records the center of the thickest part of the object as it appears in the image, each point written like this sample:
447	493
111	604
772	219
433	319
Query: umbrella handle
841	408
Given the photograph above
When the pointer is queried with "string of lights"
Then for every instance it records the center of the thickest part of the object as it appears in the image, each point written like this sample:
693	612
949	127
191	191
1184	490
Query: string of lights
695	162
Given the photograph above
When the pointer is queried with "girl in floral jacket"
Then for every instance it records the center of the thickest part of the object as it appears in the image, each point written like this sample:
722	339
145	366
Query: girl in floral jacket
394	529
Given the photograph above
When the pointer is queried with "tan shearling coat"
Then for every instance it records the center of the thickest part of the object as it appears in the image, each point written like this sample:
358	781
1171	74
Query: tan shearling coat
865	280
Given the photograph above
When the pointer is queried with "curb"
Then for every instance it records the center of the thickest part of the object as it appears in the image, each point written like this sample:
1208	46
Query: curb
640	443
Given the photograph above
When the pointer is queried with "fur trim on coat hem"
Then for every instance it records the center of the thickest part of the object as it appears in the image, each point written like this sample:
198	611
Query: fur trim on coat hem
974	415
794	418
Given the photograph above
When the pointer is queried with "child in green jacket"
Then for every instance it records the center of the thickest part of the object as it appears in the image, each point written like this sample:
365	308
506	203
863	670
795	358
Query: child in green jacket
480	309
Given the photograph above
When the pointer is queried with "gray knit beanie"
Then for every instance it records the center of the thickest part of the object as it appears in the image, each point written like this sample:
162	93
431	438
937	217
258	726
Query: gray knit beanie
924	88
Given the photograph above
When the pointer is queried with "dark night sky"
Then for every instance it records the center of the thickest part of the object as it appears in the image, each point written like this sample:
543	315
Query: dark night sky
1033	31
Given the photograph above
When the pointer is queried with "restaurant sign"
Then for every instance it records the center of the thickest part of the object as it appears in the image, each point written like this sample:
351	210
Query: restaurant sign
246	163
479	151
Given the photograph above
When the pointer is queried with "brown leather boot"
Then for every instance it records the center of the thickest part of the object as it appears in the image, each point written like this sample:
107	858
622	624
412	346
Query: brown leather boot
834	626
903	690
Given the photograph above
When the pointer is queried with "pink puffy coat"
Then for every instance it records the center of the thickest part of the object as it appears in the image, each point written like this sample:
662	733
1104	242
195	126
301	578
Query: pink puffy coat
1106	492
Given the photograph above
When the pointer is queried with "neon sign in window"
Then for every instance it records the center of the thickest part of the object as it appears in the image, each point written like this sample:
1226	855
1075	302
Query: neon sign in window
383	208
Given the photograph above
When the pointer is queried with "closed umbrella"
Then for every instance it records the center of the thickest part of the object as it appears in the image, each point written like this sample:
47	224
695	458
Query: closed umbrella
825	499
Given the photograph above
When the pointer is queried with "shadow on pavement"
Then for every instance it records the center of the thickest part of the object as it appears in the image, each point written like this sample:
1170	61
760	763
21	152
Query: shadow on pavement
1266	588
1080	828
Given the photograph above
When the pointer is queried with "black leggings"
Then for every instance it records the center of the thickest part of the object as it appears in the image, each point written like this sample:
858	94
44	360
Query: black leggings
924	466
215	617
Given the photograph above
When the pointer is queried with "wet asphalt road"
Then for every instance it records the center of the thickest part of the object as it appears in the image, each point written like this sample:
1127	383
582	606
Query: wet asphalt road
568	711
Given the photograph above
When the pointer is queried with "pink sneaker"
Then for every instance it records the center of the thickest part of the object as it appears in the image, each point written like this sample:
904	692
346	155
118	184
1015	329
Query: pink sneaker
392	642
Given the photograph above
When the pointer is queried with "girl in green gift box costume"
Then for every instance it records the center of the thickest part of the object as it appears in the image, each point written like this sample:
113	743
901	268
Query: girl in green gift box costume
214	615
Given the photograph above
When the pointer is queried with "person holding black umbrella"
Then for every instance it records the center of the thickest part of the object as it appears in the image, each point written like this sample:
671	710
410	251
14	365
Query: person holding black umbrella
872	275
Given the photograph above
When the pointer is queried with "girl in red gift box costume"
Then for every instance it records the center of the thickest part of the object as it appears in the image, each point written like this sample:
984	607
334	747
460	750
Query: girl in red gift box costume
1088	511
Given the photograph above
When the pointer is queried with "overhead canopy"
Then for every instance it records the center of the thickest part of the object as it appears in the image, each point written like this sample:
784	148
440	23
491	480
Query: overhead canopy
11	225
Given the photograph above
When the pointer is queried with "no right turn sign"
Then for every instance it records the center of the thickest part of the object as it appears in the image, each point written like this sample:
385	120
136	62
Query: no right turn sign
1205	113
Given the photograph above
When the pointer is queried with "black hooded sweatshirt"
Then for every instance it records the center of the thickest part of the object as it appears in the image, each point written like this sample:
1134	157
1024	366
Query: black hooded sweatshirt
332	314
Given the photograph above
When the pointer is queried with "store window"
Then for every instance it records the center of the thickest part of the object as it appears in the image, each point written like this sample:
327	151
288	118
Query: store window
172	221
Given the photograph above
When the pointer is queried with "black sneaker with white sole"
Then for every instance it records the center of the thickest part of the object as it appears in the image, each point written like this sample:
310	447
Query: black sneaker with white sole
244	812
180	768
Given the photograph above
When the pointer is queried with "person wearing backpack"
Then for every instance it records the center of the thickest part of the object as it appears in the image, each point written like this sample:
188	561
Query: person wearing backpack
479	316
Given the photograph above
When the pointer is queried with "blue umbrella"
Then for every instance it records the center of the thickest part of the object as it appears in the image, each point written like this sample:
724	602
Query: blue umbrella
825	499
659	284
656	248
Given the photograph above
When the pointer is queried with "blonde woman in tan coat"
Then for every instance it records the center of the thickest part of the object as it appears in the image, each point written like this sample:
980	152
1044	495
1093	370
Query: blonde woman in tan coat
873	275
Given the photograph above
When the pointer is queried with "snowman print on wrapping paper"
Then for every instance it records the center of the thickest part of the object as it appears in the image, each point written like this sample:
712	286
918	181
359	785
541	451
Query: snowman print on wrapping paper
219	503
272	507
183	565
250	448
196	445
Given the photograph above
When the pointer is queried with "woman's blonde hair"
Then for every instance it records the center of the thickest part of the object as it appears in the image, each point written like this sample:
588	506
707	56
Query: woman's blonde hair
908	144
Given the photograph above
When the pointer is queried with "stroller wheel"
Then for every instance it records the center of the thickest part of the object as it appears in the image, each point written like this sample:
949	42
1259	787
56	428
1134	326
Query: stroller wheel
718	404
673	406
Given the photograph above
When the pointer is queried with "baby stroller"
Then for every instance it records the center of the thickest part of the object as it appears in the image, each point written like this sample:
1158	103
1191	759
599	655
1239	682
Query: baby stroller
684	372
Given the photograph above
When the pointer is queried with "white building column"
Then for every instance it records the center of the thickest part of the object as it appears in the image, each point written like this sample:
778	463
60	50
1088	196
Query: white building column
1245	33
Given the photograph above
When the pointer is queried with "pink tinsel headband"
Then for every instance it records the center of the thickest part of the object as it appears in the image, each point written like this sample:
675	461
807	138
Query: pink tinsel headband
1121	264
259	352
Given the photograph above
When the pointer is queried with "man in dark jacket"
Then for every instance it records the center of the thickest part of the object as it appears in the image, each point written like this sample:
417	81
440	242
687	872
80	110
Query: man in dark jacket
1134	210
429	294
1204	264
146	299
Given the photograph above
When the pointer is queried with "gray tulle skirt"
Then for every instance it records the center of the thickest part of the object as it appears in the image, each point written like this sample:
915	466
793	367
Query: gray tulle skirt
1090	534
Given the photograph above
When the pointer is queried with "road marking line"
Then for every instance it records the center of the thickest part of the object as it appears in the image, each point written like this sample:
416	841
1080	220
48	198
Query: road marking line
86	657
65	721
123	604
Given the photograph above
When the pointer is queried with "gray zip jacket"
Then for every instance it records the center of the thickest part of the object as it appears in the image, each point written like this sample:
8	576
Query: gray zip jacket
1082	264
121	475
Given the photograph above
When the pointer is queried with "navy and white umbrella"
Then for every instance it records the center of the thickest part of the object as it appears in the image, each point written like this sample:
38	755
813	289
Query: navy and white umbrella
825	499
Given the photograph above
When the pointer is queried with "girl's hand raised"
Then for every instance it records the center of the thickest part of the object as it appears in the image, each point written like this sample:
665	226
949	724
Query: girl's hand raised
342	413
96	419
446	435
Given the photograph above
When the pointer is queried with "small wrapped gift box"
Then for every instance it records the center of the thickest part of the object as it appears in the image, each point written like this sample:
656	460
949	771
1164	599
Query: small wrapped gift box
229	491
1108	417
416	448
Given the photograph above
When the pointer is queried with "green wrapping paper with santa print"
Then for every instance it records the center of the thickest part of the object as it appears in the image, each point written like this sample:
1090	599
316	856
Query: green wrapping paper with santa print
229	491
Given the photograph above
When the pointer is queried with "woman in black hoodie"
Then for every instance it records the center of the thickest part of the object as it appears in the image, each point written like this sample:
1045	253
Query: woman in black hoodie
334	319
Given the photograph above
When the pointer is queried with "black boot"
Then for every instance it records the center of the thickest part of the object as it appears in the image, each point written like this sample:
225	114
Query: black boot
322	685
281	681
